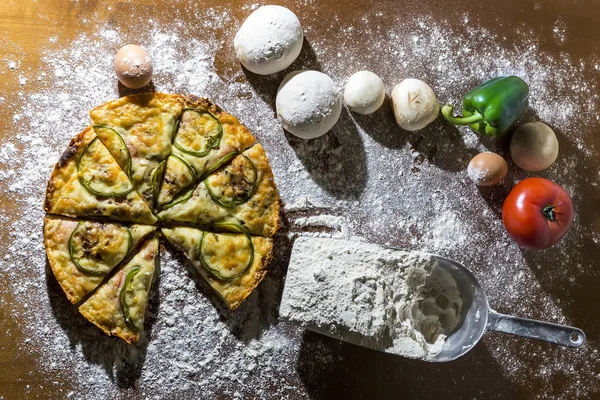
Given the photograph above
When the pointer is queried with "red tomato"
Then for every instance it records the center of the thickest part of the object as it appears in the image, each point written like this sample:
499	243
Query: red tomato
537	213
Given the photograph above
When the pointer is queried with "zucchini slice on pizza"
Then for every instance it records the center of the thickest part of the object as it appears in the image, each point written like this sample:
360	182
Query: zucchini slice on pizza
88	182
82	253
204	138
233	264
119	305
137	131
242	191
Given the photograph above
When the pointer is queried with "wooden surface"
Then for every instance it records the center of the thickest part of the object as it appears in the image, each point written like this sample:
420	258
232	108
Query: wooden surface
27	25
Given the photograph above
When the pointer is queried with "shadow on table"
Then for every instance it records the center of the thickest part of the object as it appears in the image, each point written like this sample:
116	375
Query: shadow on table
336	161
125	91
440	143
122	362
330	369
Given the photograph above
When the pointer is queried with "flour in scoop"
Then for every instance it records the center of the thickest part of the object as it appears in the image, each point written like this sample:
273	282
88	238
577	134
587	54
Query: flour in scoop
386	299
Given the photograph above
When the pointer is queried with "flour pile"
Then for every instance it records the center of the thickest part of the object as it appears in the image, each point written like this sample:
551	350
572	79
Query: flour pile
386	299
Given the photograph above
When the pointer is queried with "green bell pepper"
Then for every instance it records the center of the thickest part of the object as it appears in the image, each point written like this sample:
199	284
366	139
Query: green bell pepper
492	107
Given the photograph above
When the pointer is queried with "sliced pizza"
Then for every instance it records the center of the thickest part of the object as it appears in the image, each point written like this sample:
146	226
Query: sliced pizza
88	182
204	138
137	131
243	191
82	253
119	305
233	264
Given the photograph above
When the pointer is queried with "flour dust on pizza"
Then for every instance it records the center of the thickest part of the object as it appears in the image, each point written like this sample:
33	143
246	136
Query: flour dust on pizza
88	182
82	253
119	305
137	131
233	264
204	138
242	191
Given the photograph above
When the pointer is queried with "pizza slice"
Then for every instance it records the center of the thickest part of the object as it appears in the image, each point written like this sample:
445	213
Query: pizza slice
82	253
88	182
233	264
242	192
119	305
137	131
204	138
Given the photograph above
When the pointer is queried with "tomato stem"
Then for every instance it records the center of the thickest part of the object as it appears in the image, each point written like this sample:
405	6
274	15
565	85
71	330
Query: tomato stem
549	213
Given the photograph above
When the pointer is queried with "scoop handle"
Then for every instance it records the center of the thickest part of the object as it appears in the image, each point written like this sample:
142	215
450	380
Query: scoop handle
532	329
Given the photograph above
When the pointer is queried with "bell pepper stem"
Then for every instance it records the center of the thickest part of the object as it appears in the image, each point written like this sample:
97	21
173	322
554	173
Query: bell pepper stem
448	110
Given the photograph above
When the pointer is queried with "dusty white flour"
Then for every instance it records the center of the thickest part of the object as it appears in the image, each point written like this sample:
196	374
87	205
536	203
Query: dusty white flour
386	299
407	190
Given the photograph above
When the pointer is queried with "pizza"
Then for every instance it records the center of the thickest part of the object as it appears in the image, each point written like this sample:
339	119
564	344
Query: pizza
119	305
158	160
233	264
242	192
88	182
81	253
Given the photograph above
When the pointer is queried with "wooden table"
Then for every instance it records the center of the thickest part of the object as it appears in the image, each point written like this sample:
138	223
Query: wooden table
25	29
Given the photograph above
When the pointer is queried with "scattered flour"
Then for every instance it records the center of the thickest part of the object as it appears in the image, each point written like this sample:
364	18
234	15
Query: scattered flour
409	190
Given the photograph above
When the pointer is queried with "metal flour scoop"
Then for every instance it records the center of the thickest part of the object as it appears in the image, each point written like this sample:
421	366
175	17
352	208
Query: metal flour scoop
477	317
313	290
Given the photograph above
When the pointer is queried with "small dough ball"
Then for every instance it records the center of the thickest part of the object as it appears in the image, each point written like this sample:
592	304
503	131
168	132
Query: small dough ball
533	146
133	66
364	92
487	169
269	40
415	104
308	103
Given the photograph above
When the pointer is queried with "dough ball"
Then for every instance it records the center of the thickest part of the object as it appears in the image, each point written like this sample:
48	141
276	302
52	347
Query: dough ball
415	104
364	92
487	169
533	146
308	103
133	66
269	40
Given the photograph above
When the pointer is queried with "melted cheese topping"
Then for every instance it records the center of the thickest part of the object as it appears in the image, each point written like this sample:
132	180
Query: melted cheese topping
178	176
226	254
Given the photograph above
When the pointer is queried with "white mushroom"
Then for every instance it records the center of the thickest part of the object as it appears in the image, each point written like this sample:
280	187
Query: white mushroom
415	104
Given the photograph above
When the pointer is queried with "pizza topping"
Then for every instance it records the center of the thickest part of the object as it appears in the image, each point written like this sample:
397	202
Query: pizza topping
228	157
157	175
96	247
178	176
179	198
226	256
197	132
116	145
126	293
234	184
100	176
